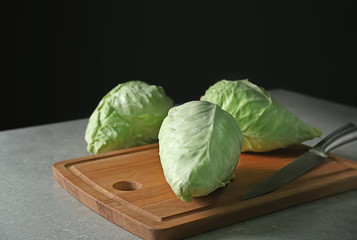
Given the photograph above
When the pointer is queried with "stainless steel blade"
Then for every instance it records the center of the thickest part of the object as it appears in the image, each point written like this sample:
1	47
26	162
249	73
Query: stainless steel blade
286	174
344	134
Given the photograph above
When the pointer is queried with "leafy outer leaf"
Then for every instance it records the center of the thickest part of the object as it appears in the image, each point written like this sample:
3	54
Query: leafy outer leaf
199	146
266	124
129	115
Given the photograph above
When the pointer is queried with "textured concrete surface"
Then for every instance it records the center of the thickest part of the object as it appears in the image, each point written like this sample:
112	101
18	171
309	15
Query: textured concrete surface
34	206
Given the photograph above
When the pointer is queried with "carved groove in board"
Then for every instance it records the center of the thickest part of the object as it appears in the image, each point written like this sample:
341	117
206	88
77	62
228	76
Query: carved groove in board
110	195
145	210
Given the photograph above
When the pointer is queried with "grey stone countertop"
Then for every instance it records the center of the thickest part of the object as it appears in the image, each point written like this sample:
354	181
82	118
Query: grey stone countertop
34	206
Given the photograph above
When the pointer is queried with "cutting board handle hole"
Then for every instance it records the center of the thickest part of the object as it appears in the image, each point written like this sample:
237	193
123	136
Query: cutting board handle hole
127	185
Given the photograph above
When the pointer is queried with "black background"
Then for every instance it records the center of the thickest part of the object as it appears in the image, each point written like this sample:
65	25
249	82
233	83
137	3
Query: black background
59	58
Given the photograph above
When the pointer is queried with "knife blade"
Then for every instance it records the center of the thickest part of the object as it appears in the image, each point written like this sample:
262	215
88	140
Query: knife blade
306	162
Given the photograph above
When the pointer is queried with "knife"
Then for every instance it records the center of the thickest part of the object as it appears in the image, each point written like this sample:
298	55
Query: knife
344	134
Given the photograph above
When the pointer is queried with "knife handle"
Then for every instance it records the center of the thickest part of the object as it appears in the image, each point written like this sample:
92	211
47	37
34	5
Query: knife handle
344	134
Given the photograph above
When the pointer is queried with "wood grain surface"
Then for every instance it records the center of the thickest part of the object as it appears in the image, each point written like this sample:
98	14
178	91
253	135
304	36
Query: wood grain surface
128	188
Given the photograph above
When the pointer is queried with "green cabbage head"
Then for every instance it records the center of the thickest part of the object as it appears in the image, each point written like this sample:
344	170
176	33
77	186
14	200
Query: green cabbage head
129	115
266	124
199	147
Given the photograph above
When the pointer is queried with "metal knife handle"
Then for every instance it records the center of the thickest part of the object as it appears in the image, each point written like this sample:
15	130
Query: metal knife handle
344	134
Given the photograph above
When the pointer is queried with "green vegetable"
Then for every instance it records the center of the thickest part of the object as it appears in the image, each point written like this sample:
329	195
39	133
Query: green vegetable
199	147
129	115
265	123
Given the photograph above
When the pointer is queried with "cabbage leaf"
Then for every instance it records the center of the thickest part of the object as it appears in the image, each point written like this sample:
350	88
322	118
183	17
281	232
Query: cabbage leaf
199	147
266	124
129	115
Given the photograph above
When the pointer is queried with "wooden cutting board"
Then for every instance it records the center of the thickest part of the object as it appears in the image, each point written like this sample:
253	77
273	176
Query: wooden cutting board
128	188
